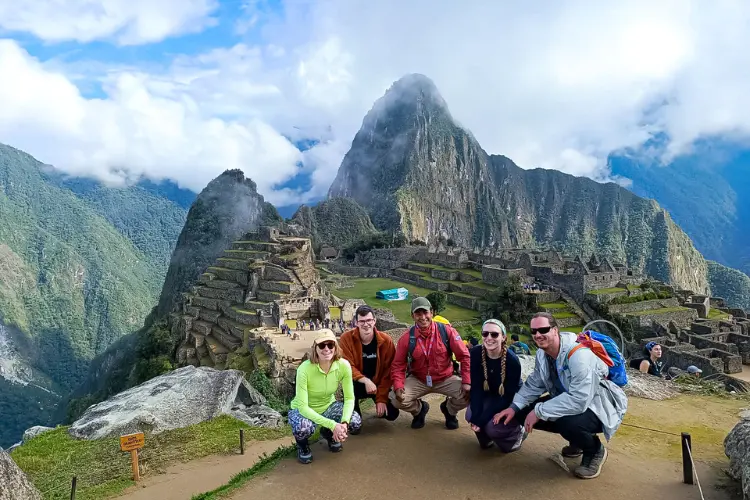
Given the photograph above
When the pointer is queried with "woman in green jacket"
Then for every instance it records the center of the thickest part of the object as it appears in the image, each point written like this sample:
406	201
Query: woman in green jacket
315	404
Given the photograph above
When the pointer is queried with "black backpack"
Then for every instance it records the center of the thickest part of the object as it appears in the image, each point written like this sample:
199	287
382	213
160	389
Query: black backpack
413	343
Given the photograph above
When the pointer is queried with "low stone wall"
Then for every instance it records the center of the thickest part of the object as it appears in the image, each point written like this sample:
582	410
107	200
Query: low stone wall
682	318
702	342
743	345
604	298
415	266
466	278
566	322
433	285
478	291
642	306
545	297
359	271
444	275
461	301
496	275
387	258
731	362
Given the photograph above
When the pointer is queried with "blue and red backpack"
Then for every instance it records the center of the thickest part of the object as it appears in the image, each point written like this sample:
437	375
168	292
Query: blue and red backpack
605	349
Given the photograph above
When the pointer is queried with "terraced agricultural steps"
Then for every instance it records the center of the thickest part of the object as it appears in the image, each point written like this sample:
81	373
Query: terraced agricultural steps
263	279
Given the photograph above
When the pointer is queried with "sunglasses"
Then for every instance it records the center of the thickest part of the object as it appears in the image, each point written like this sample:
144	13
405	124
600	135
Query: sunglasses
542	331
494	335
327	345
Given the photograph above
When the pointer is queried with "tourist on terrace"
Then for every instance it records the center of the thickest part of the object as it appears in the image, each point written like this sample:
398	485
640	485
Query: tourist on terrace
370	353
495	379
315	404
519	347
423	365
652	364
581	401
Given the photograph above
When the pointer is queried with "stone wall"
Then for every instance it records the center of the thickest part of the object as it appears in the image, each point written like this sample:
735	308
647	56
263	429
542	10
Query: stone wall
605	298
359	271
496	275
469	302
281	370
732	363
743	345
350	307
682	318
642	306
387	258
596	281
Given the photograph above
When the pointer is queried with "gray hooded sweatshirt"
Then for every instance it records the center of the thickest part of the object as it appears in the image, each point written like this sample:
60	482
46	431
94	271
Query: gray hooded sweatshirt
584	377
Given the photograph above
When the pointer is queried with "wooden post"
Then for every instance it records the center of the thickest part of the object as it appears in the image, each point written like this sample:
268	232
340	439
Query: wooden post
73	488
242	441
134	461
687	464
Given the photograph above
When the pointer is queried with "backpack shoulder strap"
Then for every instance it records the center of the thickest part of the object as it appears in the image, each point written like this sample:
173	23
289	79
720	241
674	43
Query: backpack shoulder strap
571	352
412	340
444	335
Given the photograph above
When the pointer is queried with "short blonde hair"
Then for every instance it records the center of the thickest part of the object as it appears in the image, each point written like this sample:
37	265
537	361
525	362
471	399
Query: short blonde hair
314	353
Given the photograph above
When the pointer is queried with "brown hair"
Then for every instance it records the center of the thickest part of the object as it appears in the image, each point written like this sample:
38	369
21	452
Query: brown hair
550	318
503	354
314	354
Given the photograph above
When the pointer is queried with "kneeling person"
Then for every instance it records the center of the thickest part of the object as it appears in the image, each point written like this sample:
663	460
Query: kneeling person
495	379
581	401
315	404
423	365
370	353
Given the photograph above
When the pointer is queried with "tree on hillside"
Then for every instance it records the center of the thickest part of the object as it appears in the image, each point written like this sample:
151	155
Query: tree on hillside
509	303
438	301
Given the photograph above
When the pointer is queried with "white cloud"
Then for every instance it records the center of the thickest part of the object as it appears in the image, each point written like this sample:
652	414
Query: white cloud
129	22
556	85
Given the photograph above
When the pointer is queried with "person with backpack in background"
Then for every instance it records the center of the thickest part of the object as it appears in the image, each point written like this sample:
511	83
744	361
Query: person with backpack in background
495	379
518	347
581	400
423	365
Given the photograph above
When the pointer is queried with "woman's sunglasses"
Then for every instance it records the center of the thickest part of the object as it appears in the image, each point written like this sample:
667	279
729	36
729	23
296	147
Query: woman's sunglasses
494	335
327	345
542	331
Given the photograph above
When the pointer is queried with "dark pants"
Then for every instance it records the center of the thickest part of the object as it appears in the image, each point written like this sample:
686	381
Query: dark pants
360	392
580	430
505	437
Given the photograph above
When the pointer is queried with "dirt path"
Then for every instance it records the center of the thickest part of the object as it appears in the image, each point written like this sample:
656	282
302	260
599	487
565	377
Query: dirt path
394	461
182	481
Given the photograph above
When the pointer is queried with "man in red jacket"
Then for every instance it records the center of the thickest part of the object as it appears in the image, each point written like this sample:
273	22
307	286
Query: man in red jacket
428	368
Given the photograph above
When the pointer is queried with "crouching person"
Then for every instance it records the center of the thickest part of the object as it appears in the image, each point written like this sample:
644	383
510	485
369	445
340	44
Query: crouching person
315	404
495	379
423	365
581	403
370	353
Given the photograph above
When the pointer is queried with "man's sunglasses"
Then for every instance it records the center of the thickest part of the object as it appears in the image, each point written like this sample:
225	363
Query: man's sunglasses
327	345
494	335
542	331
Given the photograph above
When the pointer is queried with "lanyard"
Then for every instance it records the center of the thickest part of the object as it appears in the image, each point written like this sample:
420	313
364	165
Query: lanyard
428	350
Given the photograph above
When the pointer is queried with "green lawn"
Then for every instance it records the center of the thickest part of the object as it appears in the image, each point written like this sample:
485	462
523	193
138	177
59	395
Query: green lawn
554	305
662	310
574	328
563	314
603	291
365	288
53	458
716	314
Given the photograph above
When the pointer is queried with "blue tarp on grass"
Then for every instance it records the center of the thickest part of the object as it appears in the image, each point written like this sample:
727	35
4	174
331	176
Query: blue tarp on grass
393	294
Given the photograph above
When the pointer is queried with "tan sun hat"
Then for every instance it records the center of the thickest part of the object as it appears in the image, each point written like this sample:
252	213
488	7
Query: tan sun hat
324	335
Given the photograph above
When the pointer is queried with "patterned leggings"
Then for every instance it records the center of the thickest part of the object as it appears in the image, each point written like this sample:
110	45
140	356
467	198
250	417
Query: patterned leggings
303	428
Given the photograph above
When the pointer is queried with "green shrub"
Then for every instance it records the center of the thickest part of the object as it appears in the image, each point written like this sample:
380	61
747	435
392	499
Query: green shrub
438	300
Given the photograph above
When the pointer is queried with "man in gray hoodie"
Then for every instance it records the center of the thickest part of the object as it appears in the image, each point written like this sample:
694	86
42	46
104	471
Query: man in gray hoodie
581	402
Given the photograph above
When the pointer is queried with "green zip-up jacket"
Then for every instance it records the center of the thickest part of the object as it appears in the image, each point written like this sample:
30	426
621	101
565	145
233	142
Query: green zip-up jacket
316	390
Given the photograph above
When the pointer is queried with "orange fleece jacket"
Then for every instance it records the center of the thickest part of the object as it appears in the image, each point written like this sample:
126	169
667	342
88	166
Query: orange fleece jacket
351	350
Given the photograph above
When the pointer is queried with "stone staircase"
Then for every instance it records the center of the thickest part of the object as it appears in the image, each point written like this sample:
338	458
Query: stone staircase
238	294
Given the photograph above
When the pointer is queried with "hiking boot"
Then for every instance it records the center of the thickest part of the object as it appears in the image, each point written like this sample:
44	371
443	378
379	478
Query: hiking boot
418	421
304	454
591	467
451	422
333	446
571	451
391	412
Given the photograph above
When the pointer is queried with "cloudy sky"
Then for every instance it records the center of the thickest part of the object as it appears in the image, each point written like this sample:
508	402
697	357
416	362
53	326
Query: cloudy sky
184	89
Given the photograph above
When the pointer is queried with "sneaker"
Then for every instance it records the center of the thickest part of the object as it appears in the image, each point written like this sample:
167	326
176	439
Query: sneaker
451	422
571	451
333	446
521	438
418	421
353	431
591	467
304	454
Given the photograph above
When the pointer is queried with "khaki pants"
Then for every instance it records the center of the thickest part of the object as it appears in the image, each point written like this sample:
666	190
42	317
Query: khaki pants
415	389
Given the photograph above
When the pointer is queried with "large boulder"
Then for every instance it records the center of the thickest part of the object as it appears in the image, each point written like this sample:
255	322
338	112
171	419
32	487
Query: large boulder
737	448
14	485
176	399
33	432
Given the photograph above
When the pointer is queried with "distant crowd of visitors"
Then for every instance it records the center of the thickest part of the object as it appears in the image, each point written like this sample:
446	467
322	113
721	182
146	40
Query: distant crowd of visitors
568	392
315	324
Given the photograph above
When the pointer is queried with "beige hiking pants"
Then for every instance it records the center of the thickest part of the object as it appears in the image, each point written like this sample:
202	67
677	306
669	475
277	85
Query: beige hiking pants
415	389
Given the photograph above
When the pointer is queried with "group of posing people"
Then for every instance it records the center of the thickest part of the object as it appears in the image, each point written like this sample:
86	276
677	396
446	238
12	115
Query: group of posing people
568	392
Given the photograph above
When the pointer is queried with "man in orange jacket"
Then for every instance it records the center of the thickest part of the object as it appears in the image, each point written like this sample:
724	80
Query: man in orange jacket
370	353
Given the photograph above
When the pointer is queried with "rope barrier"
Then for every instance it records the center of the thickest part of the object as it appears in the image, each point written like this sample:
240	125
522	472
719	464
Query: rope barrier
652	430
695	470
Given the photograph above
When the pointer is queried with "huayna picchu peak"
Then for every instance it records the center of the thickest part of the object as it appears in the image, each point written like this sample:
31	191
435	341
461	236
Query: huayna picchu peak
417	172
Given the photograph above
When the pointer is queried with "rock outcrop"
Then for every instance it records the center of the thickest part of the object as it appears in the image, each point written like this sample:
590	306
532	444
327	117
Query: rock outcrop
33	432
415	170
14	485
336	223
737	448
174	400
